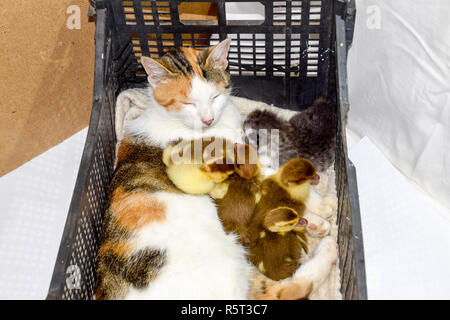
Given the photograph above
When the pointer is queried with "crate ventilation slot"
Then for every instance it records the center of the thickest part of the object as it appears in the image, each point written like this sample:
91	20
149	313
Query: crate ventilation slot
286	63
247	56
287	11
280	44
313	55
153	13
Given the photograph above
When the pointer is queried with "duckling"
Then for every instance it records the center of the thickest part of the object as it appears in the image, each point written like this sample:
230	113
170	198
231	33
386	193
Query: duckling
277	228
199	166
268	214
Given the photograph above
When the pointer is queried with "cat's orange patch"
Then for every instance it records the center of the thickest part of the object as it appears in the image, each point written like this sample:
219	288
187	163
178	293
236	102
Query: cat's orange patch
296	291
300	289
118	248
192	57
134	210
172	93
124	149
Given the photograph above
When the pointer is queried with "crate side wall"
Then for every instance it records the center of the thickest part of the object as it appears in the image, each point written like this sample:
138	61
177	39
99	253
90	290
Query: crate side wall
74	273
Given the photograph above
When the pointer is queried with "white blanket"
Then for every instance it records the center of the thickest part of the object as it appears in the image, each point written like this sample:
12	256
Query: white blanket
399	87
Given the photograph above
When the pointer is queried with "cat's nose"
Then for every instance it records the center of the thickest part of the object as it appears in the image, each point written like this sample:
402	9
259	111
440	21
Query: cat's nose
208	122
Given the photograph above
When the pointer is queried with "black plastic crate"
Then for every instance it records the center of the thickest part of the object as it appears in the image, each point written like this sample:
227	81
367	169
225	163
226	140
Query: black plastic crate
296	54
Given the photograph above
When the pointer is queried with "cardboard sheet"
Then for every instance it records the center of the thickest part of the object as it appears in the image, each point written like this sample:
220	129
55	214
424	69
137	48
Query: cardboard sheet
46	76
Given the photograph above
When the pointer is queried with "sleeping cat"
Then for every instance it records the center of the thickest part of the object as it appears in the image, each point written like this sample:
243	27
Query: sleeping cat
310	134
158	243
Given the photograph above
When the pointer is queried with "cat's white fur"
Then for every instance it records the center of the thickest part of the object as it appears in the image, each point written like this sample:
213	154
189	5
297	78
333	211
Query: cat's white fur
317	269
159	127
323	206
203	262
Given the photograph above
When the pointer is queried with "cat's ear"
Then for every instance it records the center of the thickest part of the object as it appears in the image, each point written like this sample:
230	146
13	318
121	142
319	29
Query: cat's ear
156	72
218	54
297	171
281	219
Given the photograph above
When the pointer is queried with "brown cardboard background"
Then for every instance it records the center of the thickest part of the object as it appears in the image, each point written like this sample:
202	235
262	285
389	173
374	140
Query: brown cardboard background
46	77
46	74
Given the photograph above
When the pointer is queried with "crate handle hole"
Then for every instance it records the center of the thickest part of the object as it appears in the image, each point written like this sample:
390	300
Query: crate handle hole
244	13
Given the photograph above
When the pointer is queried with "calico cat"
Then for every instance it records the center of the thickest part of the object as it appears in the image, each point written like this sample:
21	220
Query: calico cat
310	134
158	243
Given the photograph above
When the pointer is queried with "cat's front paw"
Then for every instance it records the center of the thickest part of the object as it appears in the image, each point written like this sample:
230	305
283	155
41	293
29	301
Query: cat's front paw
287	290
328	206
327	251
317	226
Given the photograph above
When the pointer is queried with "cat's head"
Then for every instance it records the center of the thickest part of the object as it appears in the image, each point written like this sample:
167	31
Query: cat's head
191	84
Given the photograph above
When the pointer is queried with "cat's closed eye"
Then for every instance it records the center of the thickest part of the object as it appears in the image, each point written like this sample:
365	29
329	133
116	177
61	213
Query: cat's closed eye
188	103
214	98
